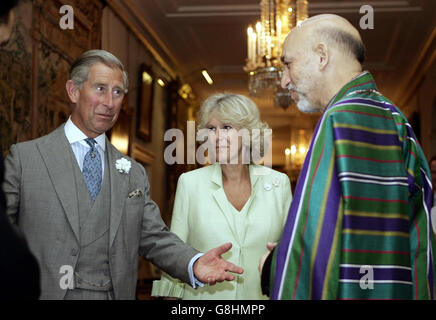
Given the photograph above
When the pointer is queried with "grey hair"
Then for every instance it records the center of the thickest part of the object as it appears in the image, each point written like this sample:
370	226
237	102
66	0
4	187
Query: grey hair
79	71
345	41
236	109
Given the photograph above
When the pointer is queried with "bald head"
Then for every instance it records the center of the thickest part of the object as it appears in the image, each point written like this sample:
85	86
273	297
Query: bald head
332	20
335	31
320	56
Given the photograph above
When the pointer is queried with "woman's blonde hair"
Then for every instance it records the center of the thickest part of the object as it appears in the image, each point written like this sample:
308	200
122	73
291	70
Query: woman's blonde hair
237	110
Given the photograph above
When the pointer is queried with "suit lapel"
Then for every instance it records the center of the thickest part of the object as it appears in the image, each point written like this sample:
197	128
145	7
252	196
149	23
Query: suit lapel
55	150
119	183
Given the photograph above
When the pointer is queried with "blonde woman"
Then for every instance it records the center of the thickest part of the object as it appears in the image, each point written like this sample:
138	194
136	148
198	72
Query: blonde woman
230	200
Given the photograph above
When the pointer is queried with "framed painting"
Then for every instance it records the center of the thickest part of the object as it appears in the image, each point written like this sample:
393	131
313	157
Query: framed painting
145	103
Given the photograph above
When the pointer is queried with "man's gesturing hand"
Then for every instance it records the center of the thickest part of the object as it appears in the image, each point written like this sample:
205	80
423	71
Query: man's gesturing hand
211	268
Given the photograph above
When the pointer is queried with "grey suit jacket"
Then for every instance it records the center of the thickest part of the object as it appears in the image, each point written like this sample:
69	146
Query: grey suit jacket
41	198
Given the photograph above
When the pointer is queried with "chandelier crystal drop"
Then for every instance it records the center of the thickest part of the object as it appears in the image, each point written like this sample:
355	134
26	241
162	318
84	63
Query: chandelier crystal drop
264	44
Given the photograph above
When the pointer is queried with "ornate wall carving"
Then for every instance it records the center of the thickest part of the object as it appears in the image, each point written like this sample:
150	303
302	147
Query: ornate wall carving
34	66
15	71
55	50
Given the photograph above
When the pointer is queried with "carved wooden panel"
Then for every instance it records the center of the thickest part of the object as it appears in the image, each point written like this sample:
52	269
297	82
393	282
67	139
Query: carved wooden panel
15	71
35	65
54	51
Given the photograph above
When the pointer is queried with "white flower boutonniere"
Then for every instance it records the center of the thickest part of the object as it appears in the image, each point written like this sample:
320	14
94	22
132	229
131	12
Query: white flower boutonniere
123	165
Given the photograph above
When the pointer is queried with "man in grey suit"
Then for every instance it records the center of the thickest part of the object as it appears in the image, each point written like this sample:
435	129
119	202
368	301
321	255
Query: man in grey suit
85	207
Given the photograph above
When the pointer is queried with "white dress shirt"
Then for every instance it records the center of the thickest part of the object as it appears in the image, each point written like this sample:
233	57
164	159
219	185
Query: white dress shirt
76	138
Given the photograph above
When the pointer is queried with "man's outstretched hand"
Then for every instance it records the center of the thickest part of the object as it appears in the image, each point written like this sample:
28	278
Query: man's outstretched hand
211	268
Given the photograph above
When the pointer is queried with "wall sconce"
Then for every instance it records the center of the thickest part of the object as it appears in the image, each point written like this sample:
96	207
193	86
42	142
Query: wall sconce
186	92
121	142
207	77
146	77
296	153
161	82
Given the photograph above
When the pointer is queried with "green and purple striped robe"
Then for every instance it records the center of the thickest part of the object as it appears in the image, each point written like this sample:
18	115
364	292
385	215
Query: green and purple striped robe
362	203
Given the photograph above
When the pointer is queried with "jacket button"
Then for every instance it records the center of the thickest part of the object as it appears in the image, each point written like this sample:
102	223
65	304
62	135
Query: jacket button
74	252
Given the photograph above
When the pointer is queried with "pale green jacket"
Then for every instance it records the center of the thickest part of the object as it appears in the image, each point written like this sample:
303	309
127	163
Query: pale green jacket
205	219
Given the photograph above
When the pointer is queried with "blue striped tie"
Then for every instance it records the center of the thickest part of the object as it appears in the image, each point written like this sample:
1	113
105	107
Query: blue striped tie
92	171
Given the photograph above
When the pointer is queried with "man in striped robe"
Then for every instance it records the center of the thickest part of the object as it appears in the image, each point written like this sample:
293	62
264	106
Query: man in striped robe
359	224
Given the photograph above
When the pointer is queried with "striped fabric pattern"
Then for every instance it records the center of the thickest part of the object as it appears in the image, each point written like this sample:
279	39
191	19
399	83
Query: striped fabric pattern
359	225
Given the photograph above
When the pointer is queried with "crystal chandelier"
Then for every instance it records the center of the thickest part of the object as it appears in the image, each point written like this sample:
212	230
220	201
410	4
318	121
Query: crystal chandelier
263	65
